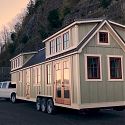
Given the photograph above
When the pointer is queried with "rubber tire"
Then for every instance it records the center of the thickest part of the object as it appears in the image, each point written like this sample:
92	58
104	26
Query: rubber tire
44	102
38	102
50	107
13	98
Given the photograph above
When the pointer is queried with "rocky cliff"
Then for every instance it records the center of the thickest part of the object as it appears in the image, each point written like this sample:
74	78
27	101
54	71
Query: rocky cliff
63	12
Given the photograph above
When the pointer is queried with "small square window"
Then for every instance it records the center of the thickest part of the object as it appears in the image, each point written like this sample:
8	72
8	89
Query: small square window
103	37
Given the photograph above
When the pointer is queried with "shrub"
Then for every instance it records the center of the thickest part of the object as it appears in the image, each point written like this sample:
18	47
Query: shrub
43	33
24	39
37	3
11	48
105	3
66	11
13	36
53	19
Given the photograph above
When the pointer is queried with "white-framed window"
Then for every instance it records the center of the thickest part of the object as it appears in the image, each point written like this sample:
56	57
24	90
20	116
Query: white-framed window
49	74
93	67
66	40
103	37
58	44
52	46
115	67
37	75
20	76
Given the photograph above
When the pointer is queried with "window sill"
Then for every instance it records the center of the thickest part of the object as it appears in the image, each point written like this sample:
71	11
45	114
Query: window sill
37	84
99	43
93	80
49	85
115	80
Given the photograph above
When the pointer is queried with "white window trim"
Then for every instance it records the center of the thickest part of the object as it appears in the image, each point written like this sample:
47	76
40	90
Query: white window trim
36	83
62	50
54	40
86	70
106	31
46	74
15	62
108	64
63	39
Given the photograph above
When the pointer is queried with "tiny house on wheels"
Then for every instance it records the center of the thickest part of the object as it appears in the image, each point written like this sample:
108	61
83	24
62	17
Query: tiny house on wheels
81	67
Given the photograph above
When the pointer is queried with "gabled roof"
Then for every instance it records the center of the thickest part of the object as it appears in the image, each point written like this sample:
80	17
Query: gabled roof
121	42
25	53
41	56
36	59
76	21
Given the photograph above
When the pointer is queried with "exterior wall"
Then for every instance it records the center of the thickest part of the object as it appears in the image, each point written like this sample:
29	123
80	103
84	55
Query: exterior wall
84	29
47	90
74	79
14	77
35	90
101	91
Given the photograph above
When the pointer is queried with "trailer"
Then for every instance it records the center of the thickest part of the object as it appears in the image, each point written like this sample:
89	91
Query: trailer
81	67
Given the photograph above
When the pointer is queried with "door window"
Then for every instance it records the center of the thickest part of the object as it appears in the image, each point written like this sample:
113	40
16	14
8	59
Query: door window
58	80
4	85
66	79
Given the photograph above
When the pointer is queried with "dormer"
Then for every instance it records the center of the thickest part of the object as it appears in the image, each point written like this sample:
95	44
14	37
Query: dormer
69	37
18	61
59	43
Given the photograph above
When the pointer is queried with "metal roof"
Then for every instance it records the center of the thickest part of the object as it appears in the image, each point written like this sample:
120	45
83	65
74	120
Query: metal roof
37	58
41	55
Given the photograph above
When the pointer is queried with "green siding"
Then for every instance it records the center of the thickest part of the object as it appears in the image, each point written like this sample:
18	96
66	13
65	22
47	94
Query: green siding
101	91
84	29
73	79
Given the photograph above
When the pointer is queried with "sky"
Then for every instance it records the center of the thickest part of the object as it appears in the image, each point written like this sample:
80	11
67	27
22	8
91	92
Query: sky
9	9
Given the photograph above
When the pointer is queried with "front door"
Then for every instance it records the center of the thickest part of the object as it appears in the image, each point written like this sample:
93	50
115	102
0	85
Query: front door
62	83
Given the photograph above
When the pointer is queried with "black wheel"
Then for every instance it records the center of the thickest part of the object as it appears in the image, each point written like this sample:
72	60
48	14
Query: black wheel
50	107
38	104
13	98
44	104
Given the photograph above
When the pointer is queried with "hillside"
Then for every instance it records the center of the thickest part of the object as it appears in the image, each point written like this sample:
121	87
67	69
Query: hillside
46	17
